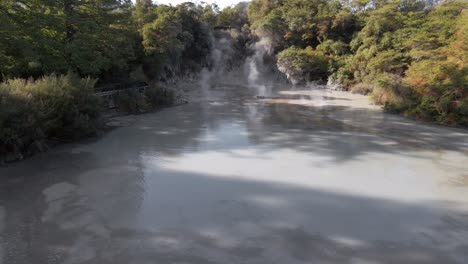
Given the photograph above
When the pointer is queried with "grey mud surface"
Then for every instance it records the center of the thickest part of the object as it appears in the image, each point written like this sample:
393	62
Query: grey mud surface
308	176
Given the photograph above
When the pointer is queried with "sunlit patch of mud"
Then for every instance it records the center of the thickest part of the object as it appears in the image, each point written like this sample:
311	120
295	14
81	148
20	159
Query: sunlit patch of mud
290	101
459	181
321	98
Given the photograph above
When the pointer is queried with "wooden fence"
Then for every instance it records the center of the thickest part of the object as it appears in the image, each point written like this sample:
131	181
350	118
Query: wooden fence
110	97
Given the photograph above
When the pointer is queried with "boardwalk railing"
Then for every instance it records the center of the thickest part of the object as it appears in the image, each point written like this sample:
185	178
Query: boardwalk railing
110	97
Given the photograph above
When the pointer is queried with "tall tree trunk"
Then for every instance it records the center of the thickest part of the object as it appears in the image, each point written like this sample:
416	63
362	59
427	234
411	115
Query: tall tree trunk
68	12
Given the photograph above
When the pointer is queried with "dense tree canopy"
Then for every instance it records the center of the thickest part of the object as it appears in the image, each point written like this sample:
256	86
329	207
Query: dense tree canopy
43	36
409	54
106	39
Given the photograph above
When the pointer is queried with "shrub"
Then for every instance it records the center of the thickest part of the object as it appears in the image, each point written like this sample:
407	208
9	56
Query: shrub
131	101
362	88
303	65
134	101
18	120
68	105
63	107
159	97
336	48
442	88
390	91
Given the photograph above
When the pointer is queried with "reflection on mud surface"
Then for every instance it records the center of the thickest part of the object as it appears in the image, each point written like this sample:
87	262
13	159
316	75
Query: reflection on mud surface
301	176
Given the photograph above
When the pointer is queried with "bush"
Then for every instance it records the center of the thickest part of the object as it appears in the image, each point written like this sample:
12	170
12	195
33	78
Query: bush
63	107
390	91
303	65
336	48
159	97
134	101
362	88
442	89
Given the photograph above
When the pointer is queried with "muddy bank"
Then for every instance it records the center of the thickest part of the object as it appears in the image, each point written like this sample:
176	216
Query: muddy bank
110	119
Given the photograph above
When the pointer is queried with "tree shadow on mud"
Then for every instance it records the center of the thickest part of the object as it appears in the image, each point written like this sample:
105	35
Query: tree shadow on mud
210	218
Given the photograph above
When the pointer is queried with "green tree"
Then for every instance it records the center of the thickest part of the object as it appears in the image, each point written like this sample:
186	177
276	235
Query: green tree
89	37
303	65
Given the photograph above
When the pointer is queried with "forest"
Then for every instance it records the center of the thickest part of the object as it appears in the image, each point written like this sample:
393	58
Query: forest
410	56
